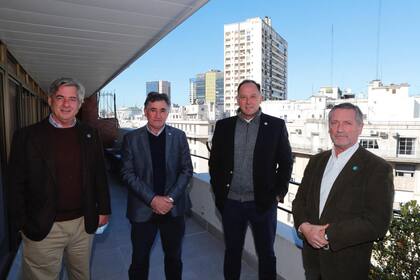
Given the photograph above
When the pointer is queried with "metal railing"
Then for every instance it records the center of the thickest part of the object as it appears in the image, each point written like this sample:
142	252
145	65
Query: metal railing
278	206
394	211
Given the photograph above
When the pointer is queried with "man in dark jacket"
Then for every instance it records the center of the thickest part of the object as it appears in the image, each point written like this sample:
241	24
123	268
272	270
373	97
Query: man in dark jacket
157	170
250	167
344	202
58	186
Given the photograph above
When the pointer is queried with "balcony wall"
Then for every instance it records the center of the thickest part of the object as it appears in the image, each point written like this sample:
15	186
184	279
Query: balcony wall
289	260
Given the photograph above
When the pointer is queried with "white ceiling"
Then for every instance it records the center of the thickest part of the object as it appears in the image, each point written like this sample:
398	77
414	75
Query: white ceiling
90	40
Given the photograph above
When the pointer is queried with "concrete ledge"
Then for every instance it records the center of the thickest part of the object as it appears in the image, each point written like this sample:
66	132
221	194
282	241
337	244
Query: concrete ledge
289	259
250	259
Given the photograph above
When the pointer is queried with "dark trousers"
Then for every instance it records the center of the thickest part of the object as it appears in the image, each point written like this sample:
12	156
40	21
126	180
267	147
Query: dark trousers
235	218
143	235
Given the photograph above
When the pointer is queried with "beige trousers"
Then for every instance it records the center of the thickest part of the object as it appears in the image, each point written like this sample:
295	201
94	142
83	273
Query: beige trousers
42	259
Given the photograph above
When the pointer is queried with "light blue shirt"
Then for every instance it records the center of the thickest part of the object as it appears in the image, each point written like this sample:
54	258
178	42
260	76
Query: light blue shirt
334	167
56	124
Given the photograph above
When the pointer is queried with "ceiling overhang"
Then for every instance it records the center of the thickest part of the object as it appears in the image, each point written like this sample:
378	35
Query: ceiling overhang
90	40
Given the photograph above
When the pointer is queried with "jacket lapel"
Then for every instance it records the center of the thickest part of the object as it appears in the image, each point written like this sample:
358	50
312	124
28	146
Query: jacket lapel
168	144
345	178
318	179
230	133
264	130
44	144
144	142
84	137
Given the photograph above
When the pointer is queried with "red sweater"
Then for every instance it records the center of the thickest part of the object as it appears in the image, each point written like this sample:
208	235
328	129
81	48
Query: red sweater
68	171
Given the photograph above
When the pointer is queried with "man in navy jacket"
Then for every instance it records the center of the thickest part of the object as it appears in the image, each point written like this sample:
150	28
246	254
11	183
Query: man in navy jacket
250	167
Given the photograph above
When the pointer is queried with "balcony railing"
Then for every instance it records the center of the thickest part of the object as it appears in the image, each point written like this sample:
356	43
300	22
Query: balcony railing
288	251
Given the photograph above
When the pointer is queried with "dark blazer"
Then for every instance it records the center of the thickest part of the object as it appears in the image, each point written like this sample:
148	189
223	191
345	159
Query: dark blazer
272	164
358	209
32	183
137	172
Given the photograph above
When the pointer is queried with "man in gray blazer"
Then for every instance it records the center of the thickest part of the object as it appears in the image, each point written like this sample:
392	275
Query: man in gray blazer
344	203
157	169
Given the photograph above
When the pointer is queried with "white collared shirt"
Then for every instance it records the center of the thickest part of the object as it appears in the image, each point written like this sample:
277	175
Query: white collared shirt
155	134
334	166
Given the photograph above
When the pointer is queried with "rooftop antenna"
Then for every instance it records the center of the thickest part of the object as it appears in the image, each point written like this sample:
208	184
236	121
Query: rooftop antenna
332	56
378	41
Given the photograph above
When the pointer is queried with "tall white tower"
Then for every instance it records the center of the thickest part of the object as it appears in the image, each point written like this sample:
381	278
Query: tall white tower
254	50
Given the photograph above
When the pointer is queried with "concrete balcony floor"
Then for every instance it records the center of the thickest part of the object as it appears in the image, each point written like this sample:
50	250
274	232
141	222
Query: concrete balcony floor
111	255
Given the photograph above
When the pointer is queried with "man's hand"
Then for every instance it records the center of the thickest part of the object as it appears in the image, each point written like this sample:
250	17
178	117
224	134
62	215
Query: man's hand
103	220
314	234
161	204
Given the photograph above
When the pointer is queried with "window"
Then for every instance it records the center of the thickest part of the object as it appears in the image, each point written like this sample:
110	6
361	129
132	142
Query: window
406	146
290	197
3	157
404	170
369	143
290	218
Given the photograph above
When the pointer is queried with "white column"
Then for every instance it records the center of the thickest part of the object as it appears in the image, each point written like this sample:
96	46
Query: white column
416	194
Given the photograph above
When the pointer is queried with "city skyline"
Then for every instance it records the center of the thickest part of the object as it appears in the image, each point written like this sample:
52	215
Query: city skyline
196	46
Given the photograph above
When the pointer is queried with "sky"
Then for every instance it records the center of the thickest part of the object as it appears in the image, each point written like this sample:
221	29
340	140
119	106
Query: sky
196	46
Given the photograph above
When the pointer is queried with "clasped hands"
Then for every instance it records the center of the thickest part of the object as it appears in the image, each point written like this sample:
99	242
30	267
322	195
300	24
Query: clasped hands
161	204
314	234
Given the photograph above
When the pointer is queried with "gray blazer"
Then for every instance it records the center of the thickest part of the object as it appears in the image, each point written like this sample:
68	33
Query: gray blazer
137	172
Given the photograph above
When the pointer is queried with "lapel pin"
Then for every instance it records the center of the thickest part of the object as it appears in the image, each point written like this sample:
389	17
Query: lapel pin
88	135
265	123
169	133
355	168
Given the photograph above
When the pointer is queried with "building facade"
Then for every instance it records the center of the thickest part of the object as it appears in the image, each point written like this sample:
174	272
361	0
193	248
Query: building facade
207	87
254	50
395	138
390	133
159	86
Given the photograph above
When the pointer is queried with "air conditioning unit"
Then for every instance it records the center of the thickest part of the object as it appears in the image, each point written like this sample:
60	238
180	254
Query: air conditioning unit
373	133
383	135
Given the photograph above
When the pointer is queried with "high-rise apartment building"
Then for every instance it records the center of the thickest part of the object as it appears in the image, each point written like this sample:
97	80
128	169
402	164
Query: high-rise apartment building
207	87
159	86
254	50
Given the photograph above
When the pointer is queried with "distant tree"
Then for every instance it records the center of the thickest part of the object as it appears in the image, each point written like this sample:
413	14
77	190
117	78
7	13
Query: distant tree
398	255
